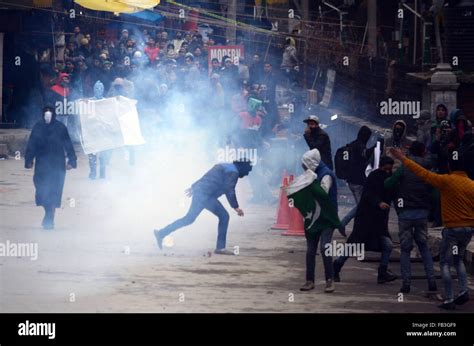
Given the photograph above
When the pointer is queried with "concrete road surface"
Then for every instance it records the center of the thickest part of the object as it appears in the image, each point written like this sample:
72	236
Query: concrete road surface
102	256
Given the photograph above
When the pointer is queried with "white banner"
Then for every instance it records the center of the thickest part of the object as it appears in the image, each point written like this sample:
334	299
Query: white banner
109	123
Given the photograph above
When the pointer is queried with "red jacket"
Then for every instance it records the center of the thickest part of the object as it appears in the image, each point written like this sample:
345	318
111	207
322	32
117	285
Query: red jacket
152	53
58	88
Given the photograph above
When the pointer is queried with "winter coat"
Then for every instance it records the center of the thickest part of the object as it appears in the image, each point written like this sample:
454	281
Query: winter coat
371	222
319	139
47	146
219	180
412	190
323	171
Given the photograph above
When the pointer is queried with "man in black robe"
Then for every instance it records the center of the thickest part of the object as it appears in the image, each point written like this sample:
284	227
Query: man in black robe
47	145
371	221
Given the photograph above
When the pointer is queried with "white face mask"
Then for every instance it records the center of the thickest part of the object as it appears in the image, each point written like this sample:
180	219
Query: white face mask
47	117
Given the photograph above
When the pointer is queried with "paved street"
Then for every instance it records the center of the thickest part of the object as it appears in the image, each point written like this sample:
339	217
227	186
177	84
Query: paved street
102	255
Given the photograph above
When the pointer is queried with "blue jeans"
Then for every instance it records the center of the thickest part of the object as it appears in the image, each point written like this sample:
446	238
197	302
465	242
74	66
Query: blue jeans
387	246
452	252
409	230
198	204
357	193
312	244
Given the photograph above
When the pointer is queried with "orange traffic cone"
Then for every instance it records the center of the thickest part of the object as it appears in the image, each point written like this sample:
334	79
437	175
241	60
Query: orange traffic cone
296	226
283	213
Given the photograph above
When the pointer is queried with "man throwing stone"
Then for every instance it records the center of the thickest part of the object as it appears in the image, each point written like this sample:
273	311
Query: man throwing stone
219	180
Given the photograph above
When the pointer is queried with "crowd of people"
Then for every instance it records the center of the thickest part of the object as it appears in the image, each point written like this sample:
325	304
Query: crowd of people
427	180
152	67
430	179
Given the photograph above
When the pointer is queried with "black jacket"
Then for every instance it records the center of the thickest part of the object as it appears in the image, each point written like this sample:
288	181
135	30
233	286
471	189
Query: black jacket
412	190
319	139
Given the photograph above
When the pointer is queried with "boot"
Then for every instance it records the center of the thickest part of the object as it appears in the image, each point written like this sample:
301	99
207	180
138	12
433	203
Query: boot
329	286
224	251
405	288
48	221
385	276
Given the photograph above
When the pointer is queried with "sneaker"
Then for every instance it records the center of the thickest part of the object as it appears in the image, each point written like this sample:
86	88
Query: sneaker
329	286
159	238
447	305
308	286
462	298
224	251
405	289
385	275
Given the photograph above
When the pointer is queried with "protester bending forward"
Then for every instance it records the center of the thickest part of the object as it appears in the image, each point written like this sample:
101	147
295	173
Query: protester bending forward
219	180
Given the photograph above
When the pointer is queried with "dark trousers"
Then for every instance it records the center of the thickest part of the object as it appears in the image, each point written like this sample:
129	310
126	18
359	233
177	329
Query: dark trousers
198	204
312	245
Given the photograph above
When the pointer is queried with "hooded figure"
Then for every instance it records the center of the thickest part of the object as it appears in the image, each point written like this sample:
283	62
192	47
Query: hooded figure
310	198
460	127
103	156
320	216
440	115
219	180
360	156
397	138
47	146
98	90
